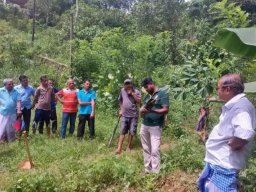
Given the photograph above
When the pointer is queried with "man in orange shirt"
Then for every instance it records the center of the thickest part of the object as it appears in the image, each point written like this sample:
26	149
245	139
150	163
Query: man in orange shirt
68	99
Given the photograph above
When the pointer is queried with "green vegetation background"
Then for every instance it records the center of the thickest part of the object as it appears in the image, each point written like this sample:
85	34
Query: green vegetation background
169	40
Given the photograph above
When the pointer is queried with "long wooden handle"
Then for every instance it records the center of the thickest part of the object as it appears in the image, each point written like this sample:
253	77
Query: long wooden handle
27	148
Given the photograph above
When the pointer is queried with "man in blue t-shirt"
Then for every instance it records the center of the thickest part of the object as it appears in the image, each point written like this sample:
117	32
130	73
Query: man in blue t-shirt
26	91
86	99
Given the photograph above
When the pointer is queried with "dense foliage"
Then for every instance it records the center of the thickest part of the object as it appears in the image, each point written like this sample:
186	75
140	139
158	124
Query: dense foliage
108	41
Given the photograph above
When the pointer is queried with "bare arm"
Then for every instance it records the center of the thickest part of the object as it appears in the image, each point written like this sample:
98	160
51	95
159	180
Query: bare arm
19	112
136	97
237	143
143	110
93	108
243	131
163	110
83	103
36	98
121	109
59	98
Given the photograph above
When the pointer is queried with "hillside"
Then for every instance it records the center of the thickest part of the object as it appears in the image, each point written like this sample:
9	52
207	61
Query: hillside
108	41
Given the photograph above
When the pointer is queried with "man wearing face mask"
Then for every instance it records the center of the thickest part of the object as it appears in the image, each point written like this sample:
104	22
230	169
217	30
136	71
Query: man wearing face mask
10	107
156	105
129	99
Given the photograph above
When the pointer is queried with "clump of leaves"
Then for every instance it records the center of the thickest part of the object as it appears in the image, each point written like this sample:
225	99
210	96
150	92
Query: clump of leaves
37	182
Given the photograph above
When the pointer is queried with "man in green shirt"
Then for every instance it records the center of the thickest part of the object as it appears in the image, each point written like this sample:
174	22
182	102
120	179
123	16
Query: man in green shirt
156	105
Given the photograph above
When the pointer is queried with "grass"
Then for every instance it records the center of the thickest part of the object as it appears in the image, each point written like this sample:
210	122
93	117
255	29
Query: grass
69	165
89	165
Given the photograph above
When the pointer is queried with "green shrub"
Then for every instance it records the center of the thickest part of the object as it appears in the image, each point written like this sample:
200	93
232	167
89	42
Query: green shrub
186	154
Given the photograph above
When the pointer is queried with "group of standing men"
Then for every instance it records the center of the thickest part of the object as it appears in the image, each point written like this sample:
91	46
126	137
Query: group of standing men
153	120
16	102
227	147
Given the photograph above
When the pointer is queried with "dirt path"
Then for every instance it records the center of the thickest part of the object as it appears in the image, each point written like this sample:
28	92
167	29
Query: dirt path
178	181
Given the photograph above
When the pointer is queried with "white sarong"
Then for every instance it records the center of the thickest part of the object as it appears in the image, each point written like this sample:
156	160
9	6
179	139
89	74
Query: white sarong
7	132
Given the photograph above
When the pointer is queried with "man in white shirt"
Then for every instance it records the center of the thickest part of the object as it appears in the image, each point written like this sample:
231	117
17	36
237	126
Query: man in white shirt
230	141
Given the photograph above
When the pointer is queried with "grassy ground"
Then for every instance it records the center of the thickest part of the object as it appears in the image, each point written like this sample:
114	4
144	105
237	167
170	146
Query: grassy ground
90	165
71	165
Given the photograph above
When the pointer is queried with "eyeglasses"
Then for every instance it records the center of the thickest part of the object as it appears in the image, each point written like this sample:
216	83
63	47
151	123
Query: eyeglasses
222	87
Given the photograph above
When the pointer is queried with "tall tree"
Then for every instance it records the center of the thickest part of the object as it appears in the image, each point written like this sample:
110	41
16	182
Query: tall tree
48	11
125	5
153	16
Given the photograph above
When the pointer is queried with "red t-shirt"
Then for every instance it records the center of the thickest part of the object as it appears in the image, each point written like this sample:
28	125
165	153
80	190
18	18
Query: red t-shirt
70	101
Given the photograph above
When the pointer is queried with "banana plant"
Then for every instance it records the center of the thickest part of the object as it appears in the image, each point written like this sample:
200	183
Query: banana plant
240	41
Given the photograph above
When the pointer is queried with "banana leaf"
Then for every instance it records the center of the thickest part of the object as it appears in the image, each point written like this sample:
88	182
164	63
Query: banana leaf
240	41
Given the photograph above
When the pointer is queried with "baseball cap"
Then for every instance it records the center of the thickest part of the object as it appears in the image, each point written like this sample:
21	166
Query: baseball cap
127	81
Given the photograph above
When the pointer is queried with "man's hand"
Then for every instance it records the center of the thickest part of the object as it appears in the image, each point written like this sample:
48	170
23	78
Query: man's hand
143	110
236	143
92	115
19	113
120	113
84	103
33	106
129	91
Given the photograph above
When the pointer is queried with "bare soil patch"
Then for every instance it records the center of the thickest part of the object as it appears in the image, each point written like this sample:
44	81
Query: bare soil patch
178	181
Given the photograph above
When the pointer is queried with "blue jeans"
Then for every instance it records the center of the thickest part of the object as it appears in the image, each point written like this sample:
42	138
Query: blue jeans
72	120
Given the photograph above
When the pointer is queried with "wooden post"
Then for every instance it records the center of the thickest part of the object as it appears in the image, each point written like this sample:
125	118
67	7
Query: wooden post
34	19
71	39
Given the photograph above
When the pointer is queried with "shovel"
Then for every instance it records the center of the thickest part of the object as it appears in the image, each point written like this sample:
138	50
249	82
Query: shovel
26	164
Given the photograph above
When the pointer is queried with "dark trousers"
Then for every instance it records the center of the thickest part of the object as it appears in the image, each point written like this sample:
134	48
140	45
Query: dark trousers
42	116
53	117
81	125
26	114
